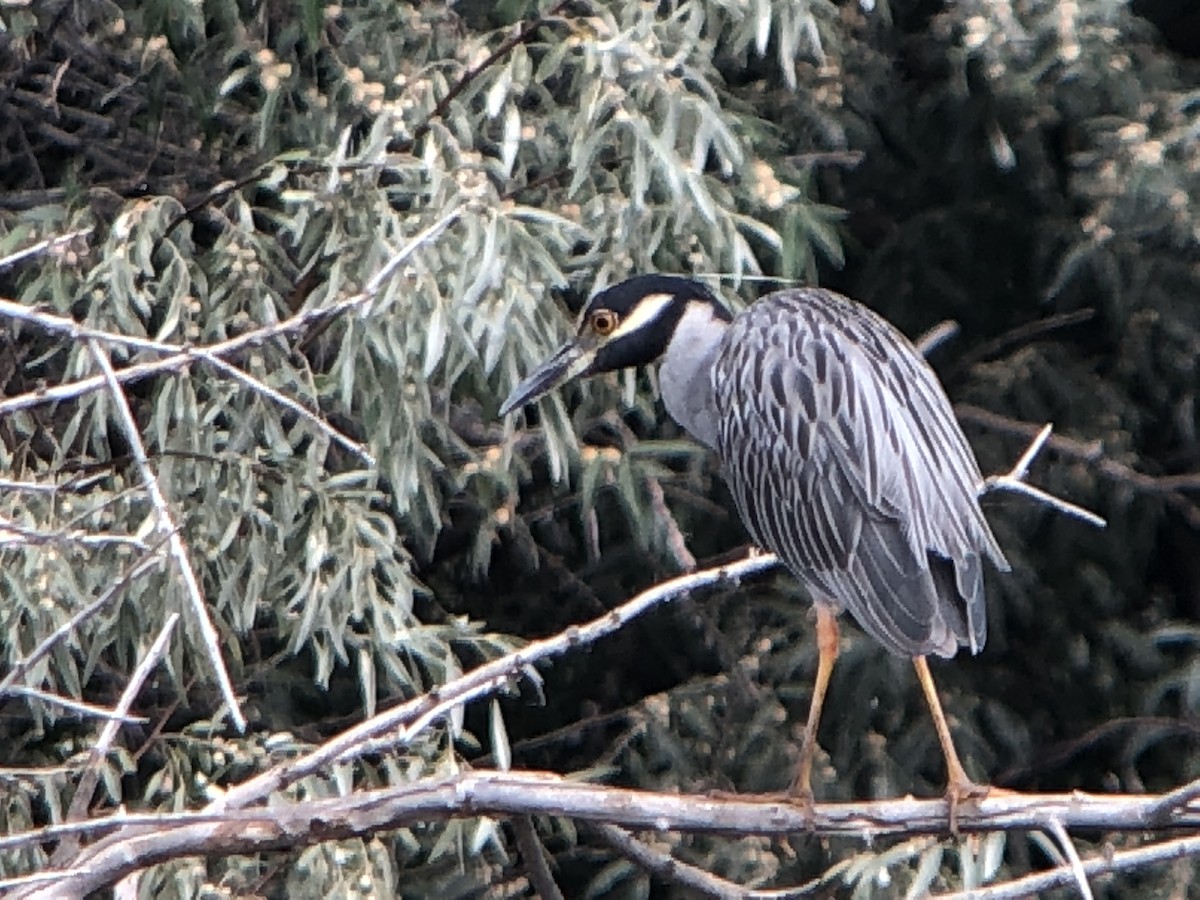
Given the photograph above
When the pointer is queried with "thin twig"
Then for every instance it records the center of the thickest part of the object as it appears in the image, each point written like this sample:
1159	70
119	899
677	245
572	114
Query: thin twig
936	336
1013	482
399	726
91	773
85	709
1023	334
14	534
1056	828
48	245
31	487
523	34
105	824
47	643
75	331
56	324
665	866
1060	753
1160	813
166	526
33	879
534	856
1106	863
288	403
15	772
1169	487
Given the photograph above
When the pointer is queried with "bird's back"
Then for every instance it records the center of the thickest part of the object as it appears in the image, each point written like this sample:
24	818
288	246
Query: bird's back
844	457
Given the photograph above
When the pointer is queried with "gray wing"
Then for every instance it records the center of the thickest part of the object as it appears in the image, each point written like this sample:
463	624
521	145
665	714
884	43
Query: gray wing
844	457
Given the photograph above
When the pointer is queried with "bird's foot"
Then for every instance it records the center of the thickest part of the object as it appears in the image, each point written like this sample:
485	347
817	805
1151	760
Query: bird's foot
801	795
963	791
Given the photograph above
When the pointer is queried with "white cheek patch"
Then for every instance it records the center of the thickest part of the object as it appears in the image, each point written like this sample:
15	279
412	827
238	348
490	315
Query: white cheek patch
647	310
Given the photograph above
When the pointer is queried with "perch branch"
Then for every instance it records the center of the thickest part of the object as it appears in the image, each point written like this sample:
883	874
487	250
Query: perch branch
398	726
289	825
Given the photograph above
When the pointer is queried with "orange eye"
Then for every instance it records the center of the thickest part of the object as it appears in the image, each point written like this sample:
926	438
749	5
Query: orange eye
604	322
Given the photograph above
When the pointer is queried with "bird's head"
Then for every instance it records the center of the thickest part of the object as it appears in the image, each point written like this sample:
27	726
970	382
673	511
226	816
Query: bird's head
629	324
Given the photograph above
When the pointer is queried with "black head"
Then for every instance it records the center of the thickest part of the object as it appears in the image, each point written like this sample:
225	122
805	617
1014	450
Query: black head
628	324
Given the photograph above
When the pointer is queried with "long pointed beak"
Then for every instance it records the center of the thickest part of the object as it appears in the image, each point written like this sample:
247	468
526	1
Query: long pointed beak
569	361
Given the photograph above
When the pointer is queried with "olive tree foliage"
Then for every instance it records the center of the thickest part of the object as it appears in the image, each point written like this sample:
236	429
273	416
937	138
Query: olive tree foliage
228	167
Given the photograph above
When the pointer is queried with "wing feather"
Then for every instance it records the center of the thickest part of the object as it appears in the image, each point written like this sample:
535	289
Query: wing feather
844	457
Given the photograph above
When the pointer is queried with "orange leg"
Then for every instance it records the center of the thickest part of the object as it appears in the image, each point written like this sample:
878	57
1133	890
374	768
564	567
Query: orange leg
959	786
827	651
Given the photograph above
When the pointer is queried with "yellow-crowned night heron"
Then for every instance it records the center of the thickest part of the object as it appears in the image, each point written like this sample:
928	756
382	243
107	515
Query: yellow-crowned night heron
842	453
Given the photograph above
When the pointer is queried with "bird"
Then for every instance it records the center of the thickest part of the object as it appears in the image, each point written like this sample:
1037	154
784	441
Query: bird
841	451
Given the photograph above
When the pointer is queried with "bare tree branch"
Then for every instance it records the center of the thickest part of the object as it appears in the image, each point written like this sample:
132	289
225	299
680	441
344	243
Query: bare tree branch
79	706
287	825
15	534
535	859
166	526
1014	482
400	725
1072	856
1172	802
1116	861
48	245
91	773
75	331
1169	487
665	866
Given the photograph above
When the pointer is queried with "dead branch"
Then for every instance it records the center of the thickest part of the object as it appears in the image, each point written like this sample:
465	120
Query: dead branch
665	865
91	774
167	528
534	856
1170	487
1104	864
141	841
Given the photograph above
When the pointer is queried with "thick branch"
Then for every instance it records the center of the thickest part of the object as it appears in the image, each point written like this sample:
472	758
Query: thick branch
290	825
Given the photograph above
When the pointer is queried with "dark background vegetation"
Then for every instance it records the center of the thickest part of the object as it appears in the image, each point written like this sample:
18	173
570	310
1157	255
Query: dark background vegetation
1030	170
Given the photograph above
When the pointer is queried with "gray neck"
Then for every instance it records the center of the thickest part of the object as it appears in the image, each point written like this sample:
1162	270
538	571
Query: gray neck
685	377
